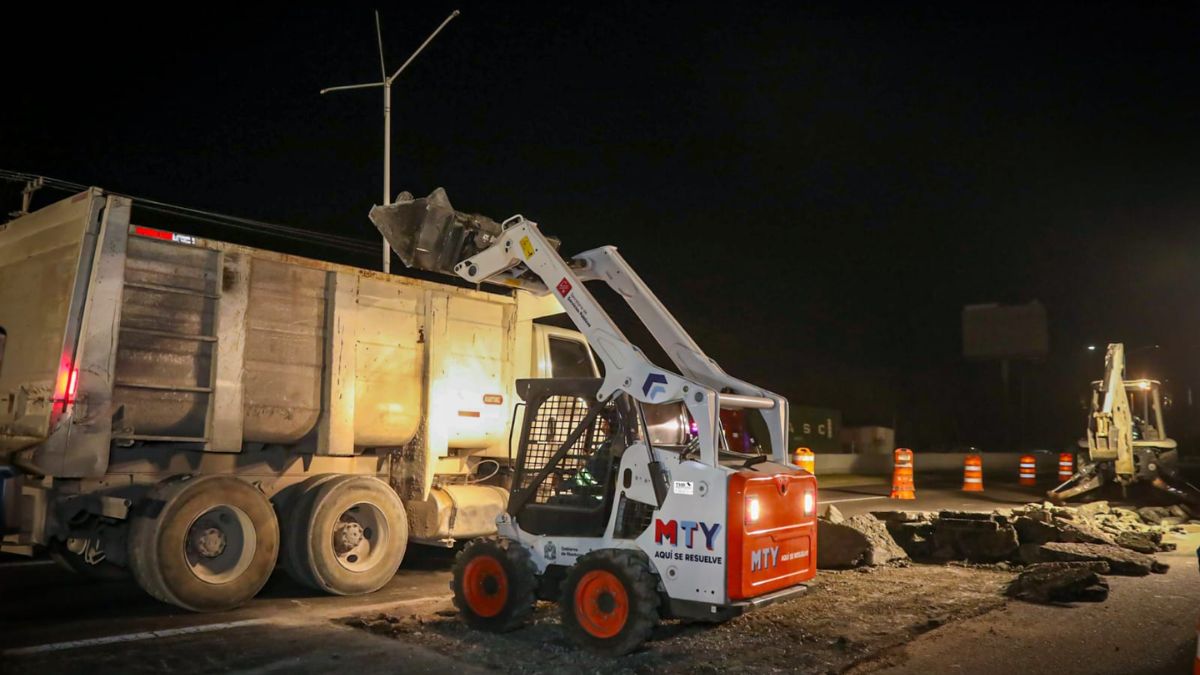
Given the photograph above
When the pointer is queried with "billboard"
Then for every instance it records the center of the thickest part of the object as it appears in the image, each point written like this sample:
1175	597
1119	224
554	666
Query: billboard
995	331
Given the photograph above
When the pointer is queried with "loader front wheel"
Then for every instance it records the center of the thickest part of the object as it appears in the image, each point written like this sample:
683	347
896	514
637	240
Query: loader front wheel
494	584
609	602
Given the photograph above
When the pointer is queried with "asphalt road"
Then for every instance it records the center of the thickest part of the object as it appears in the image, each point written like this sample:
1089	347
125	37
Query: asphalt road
53	621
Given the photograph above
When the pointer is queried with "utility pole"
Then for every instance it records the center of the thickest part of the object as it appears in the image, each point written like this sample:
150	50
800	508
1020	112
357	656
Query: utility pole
386	82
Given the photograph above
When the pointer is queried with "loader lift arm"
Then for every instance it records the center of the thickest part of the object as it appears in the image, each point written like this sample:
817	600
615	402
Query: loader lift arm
517	254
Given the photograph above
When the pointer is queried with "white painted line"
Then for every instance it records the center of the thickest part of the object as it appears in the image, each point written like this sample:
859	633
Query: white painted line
131	637
848	499
27	563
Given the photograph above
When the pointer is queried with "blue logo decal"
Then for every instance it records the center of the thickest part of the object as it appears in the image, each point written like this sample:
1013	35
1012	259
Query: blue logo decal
654	385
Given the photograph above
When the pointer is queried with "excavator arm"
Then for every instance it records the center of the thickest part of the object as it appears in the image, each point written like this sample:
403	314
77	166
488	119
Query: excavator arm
429	234
1110	429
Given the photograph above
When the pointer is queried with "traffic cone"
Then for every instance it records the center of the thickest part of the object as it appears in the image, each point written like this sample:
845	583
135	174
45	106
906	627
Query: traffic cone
1066	467
1027	475
902	475
806	460
973	474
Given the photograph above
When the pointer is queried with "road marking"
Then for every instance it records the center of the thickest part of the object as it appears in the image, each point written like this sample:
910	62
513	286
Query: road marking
848	499
27	563
131	637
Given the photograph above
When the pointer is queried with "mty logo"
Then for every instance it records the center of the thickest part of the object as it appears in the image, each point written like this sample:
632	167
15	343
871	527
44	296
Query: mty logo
669	531
655	385
563	287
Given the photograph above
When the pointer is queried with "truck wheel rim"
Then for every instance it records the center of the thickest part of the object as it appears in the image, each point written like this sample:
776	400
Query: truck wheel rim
220	544
360	537
485	586
601	604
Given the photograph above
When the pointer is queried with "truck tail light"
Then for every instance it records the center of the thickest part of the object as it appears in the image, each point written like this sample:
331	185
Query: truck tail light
68	386
810	502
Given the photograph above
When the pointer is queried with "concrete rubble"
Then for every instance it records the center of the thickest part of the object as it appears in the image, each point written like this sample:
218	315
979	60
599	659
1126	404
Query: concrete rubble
854	542
1058	582
1062	551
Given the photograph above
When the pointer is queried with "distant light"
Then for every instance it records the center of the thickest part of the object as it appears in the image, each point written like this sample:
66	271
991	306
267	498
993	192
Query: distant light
1091	348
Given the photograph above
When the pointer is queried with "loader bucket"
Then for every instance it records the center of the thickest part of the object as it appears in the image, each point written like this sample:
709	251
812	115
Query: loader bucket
428	234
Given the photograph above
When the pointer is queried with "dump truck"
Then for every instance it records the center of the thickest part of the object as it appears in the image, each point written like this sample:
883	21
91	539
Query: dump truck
194	412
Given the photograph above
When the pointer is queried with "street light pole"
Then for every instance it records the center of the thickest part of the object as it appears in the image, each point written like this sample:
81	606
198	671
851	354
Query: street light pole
386	82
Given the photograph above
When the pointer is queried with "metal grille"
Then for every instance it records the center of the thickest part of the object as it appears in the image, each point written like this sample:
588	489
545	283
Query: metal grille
552	424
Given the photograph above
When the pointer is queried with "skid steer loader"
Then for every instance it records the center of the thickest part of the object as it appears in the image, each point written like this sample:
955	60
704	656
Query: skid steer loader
620	531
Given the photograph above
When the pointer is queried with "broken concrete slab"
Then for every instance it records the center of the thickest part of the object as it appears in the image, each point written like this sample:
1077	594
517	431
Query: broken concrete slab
974	537
1120	561
1153	514
833	514
860	540
1061	582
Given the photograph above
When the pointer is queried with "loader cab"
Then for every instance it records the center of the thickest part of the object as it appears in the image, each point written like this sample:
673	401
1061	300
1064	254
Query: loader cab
1146	405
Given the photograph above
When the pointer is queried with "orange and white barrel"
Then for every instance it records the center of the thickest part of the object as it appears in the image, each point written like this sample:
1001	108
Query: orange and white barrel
1066	467
973	474
1027	471
902	475
805	459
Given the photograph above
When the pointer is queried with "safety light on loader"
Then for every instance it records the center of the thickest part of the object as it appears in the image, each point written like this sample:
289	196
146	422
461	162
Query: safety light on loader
752	510
810	502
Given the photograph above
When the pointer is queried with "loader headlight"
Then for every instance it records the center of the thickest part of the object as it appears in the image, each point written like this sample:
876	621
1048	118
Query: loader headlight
752	510
810	502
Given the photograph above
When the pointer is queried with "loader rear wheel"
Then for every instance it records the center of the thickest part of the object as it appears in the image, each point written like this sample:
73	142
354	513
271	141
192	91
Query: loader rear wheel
494	584
610	601
206	543
353	538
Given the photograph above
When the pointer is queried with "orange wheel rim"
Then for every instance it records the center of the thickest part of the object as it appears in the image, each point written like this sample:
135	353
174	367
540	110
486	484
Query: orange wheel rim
601	604
485	586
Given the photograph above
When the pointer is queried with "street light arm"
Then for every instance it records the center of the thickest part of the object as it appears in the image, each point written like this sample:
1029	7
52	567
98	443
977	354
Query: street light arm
344	87
422	47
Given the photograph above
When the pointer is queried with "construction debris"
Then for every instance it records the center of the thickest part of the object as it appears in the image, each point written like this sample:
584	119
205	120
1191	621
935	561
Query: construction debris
1061	582
854	542
1120	561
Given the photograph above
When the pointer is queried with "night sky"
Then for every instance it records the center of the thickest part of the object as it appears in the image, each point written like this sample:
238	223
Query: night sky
815	190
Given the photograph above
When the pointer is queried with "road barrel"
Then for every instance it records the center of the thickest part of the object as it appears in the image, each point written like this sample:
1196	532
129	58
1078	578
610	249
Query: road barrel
1027	473
806	460
973	474
1066	467
902	475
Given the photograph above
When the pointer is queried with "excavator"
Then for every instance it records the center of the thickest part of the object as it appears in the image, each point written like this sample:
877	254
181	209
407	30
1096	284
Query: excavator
1126	440
621	529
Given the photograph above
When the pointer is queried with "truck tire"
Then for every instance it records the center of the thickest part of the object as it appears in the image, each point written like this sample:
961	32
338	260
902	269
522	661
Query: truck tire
354	537
205	543
294	530
609	602
495	584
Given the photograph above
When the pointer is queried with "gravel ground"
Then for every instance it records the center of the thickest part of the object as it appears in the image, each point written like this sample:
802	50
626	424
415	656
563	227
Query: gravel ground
848	620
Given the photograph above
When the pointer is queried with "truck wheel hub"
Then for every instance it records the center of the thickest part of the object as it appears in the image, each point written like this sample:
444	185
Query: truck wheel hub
209	542
347	536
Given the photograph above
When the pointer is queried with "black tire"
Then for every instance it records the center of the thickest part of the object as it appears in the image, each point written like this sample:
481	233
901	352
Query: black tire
495	584
294	530
355	537
586	614
179	518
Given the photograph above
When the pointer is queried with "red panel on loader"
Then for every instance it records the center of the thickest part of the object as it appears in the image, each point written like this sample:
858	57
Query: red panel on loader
772	541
